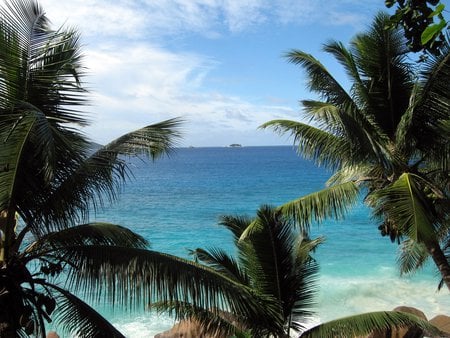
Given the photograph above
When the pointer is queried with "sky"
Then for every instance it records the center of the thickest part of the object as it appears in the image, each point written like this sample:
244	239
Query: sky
217	64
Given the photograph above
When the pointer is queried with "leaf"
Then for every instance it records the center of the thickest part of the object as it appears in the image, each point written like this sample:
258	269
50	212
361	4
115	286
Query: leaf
79	319
432	31
438	10
364	324
404	204
331	202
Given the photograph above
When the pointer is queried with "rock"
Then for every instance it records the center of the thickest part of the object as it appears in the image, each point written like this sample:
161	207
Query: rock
411	310
442	322
52	334
403	332
186	329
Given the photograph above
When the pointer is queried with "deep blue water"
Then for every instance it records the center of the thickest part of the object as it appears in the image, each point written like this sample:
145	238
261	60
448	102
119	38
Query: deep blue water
175	203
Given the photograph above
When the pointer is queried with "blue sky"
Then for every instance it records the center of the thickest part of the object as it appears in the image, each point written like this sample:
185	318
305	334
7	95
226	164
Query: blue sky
218	64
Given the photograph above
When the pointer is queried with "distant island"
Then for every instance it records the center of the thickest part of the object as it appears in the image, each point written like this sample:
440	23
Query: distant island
235	145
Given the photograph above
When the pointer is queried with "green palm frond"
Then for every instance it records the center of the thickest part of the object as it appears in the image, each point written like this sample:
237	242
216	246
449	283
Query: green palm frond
331	202
413	256
100	176
404	203
313	143
364	324
129	276
152	141
86	234
222	262
79	319
304	247
271	259
236	224
38	64
380	55
320	80
431	118
14	133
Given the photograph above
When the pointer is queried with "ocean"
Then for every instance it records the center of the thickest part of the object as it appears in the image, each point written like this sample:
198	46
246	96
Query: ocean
175	203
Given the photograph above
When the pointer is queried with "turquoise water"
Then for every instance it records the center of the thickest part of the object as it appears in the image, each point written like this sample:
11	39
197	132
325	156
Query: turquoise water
175	203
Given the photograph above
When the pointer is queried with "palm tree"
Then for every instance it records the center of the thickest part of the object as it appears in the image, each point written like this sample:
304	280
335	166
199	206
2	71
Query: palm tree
387	137
50	180
276	263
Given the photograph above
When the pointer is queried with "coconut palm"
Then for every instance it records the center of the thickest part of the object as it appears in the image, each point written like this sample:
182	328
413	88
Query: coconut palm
51	177
276	262
387	137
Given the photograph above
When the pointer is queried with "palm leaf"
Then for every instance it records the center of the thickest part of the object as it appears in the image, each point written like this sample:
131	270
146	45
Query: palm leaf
129	276
313	143
404	204
99	177
14	133
222	262
320	80
76	318
364	324
331	202
271	259
86	234
413	256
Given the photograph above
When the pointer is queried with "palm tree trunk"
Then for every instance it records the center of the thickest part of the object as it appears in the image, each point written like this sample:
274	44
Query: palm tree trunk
440	260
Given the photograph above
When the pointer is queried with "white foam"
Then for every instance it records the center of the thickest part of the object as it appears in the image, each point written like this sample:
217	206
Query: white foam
343	296
144	326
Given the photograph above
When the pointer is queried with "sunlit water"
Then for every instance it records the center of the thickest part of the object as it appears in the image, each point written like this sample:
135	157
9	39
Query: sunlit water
175	203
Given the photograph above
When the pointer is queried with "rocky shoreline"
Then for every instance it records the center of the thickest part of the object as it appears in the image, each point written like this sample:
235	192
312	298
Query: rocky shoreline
191	329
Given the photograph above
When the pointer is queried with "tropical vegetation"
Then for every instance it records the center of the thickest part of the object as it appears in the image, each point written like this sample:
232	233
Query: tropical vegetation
276	263
423	23
386	137
51	178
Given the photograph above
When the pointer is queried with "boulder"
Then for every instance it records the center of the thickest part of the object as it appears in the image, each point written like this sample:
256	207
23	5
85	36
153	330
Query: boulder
442	322
52	334
186	329
403	332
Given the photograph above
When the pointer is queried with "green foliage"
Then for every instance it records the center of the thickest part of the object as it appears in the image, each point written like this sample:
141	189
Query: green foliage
50	180
274	262
387	136
366	323
417	18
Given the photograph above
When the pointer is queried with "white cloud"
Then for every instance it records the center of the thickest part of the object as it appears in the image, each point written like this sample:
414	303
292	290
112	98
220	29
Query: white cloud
142	84
137	80
156	18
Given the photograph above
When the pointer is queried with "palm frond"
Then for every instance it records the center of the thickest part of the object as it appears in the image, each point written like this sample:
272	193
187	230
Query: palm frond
430	120
99	177
78	318
86	234
129	277
271	259
14	133
222	262
364	324
320	80
236	224
380	55
404	204
413	256
313	143
331	202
